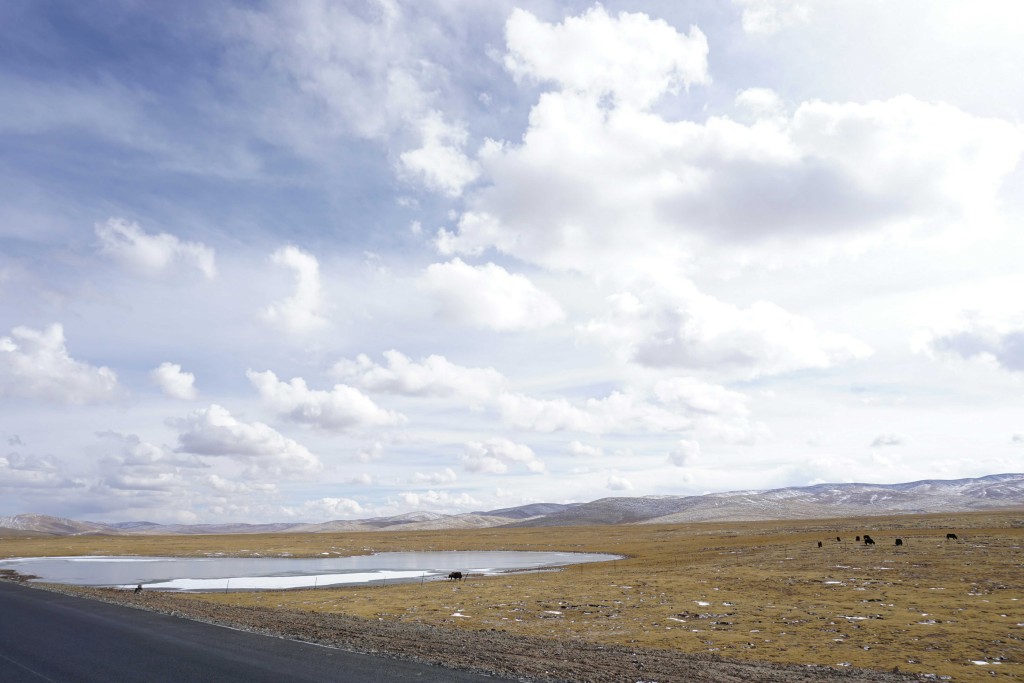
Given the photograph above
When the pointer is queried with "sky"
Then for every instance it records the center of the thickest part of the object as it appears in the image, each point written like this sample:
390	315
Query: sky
304	261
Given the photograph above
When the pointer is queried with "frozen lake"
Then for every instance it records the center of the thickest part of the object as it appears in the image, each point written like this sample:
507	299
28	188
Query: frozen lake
256	573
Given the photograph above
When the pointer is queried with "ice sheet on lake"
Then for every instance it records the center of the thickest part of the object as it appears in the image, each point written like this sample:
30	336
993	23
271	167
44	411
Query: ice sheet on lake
279	582
256	573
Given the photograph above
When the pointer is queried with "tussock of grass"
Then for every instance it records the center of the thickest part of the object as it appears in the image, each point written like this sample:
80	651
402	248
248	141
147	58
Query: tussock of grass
757	591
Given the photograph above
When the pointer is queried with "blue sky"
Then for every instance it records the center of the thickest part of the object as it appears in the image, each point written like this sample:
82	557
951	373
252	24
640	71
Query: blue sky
321	260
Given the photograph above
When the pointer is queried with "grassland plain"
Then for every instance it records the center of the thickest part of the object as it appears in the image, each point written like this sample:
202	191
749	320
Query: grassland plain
750	591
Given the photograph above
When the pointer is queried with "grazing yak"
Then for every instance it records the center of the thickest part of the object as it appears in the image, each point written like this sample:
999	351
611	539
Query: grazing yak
455	576
819	544
951	537
899	541
868	540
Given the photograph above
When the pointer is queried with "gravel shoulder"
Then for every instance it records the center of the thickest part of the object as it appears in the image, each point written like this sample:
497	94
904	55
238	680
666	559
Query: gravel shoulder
493	652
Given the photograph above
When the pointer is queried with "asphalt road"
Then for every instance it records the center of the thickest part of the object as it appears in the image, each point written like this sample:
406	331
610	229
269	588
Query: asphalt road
48	636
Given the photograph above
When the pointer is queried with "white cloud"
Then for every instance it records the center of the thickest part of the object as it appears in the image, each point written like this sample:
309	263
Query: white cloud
685	453
765	17
432	376
128	450
439	500
153	481
374	451
214	432
230	486
340	408
617	482
175	383
302	312
631	57
595	189
494	456
20	472
976	337
440	164
326	509
445	476
379	71
762	103
340	69
126	242
581	450
489	296
36	364
696	396
619	411
688	329
885	440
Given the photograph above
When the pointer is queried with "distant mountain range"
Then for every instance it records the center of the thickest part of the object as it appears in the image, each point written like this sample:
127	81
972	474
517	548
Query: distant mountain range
797	502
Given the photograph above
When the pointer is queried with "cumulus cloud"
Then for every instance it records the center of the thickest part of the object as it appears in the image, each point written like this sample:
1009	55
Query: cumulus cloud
697	396
685	453
581	450
885	440
326	508
619	411
221	485
431	376
374	451
976	337
150	481
445	476
617	482
439	500
24	472
489	296
213	431
765	17
630	57
302	312
128	450
36	364
593	185
440	164
496	454
340	408
174	382
127	243
680	399
763	103
686	328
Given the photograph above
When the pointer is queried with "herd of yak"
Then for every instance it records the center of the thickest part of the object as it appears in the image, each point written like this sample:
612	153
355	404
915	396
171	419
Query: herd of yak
899	541
867	540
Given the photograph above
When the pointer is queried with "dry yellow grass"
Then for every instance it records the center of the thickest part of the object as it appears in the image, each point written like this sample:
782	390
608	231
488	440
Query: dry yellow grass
758	591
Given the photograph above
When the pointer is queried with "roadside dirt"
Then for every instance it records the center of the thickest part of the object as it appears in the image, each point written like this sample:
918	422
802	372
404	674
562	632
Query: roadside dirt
500	654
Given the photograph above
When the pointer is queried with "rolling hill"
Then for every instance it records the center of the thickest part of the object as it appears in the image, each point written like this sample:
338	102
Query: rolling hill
797	502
